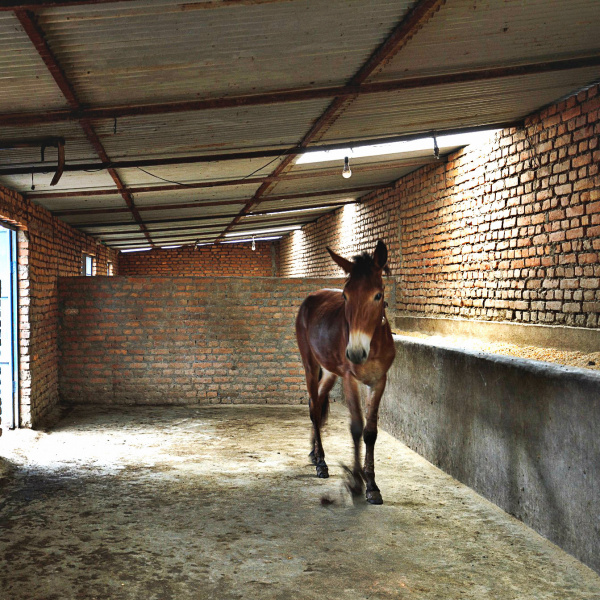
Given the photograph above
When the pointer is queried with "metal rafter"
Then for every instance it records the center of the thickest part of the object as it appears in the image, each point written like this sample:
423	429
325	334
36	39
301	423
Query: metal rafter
245	155
200	204
411	23
341	93
33	5
396	164
38	39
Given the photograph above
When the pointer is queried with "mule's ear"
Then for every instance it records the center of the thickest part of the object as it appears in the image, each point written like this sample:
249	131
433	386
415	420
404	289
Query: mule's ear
380	255
340	261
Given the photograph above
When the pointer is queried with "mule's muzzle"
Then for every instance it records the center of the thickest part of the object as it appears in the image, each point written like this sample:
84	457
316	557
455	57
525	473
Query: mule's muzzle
359	345
358	356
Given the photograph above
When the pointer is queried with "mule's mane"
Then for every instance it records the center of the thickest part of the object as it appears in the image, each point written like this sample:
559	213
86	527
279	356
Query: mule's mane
364	265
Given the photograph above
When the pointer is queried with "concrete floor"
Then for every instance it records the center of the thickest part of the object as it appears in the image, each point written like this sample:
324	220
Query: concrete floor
221	502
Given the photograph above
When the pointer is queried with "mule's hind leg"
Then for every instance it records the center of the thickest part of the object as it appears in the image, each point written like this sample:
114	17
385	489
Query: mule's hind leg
319	409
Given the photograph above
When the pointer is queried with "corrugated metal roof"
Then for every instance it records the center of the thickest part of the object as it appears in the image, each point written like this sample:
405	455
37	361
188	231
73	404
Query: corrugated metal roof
222	130
82	202
156	51
234	194
361	176
199	172
102	221
185	213
459	105
127	53
470	34
25	83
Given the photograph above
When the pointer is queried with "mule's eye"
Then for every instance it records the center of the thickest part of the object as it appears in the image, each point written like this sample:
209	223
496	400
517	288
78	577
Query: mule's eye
344	297
377	297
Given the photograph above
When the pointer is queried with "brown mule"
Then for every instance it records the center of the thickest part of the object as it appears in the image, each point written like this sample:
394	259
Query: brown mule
346	334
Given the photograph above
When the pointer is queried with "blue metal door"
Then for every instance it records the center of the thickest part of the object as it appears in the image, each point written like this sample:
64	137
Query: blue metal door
9	367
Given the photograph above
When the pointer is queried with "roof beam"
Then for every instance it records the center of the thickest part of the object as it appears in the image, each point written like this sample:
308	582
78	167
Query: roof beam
144	189
201	205
37	37
208	158
154	221
396	164
218	228
109	211
165	221
196	228
33	5
340	93
192	235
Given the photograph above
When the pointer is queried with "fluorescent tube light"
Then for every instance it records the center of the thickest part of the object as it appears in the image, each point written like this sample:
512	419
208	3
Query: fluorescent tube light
264	231
256	239
298	210
419	145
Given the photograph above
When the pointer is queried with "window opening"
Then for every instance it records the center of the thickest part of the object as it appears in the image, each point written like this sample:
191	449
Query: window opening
87	266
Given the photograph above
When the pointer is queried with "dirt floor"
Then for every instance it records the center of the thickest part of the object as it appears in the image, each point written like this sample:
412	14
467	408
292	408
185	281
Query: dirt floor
569	358
221	502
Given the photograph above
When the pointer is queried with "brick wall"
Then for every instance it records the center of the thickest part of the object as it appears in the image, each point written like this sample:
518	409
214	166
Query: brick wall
173	340
47	249
223	260
508	230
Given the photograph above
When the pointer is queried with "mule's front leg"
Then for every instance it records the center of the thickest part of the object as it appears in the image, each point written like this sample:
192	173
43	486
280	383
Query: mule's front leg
355	485
370	437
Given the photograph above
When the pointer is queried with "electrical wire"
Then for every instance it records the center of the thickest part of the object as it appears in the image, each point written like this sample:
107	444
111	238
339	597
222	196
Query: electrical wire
163	179
246	177
189	185
263	167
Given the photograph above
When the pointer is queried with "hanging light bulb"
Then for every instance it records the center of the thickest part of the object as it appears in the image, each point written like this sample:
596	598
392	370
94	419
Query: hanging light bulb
346	173
253	244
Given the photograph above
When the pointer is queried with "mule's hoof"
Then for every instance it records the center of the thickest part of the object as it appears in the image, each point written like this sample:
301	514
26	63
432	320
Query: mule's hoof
374	497
322	471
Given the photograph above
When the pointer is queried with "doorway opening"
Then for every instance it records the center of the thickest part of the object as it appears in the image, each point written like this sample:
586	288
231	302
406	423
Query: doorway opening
9	342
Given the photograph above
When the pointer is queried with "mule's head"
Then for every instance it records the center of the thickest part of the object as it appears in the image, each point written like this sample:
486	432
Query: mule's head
363	297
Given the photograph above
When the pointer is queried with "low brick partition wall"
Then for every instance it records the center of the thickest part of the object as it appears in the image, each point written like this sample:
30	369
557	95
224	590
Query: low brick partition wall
522	433
181	340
